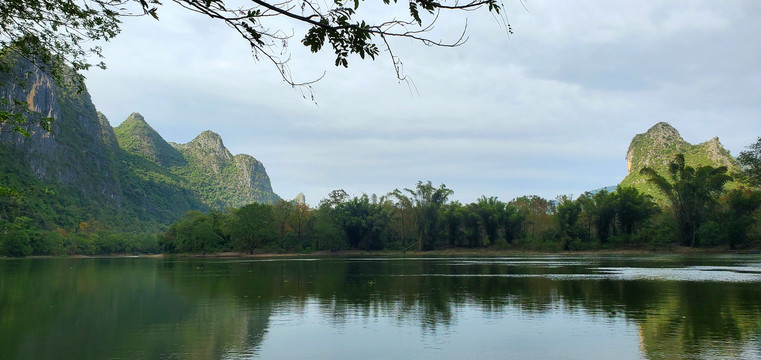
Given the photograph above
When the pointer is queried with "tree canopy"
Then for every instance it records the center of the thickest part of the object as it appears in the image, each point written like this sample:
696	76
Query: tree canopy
54	32
750	160
692	192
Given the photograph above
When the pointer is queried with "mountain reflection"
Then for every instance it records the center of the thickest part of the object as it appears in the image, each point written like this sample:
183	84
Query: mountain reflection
219	308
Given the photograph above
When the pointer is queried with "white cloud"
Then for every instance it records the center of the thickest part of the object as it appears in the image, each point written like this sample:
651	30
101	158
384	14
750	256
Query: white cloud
548	110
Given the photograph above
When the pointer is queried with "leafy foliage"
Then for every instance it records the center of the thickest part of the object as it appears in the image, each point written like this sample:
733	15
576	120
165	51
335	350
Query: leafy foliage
56	34
740	216
369	222
750	160
692	193
426	202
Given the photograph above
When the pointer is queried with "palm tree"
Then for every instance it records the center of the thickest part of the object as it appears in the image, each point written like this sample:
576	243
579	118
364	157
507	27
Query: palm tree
691	192
427	202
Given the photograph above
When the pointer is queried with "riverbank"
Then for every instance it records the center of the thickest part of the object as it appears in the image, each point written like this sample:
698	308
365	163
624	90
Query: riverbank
477	252
676	250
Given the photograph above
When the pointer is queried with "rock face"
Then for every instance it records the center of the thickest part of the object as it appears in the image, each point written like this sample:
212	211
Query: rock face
658	146
74	152
208	148
221	179
127	174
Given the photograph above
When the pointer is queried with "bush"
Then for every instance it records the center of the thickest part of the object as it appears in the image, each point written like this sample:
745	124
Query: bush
16	243
47	243
710	234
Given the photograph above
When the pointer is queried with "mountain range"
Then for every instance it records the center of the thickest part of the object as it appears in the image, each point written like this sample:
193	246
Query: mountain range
129	176
84	170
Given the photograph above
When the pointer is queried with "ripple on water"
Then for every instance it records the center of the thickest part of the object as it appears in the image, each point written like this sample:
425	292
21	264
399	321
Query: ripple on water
691	273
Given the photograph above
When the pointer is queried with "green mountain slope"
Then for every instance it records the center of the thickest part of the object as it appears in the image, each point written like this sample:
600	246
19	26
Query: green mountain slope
658	146
221	179
126	178
137	137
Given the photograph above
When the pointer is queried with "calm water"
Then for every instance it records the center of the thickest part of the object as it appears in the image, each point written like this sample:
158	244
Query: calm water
538	307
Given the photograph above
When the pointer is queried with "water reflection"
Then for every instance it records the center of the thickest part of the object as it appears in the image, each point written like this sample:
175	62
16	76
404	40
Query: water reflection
519	307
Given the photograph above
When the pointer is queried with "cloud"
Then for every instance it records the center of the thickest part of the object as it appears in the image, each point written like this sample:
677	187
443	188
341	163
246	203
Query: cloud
548	110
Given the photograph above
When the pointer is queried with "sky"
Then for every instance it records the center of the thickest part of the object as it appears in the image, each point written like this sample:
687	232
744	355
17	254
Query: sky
548	110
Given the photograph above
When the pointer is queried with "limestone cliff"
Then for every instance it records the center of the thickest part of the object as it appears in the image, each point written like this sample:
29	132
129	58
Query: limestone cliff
658	146
128	177
74	153
221	179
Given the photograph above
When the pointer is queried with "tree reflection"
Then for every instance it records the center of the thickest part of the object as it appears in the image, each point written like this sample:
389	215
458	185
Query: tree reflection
196	309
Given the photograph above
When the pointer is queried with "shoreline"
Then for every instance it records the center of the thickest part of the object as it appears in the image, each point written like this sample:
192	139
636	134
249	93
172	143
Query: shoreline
478	252
430	253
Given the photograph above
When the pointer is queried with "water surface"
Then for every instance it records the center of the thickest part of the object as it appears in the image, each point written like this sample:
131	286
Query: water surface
523	307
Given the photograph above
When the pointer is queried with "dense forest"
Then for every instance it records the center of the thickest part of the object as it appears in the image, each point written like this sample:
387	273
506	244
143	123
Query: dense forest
422	219
697	211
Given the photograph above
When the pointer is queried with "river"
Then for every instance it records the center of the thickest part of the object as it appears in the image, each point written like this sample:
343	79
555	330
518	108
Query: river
518	307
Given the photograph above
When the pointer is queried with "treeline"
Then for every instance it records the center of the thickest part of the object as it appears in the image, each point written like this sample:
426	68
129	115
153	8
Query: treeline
42	221
694	209
422	218
23	238
54	219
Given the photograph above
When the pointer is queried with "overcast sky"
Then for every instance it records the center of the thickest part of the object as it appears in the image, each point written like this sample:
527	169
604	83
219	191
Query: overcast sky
548	110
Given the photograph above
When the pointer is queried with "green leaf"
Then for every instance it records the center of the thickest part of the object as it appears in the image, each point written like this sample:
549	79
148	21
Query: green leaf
415	13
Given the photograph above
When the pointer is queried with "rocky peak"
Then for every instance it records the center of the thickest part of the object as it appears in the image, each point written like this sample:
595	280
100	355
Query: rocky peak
664	131
716	153
300	199
136	136
644	148
208	149
657	147
210	142
137	118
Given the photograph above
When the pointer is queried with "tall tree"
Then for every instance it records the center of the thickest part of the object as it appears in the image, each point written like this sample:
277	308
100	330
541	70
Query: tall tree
489	214
567	217
427	201
326	231
538	213
601	209
750	160
402	220
354	217
301	215
193	233
633	208
251	227
742	205
513	219
454	219
692	193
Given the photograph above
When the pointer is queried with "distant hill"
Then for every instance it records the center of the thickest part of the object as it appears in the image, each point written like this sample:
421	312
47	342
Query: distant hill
611	188
137	137
223	180
658	146
127	177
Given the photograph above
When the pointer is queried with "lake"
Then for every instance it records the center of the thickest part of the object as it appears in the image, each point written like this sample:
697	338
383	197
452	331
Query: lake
518	307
